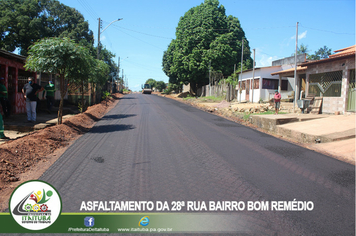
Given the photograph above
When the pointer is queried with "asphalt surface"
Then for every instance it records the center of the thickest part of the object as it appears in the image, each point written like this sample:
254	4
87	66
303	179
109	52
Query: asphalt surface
150	148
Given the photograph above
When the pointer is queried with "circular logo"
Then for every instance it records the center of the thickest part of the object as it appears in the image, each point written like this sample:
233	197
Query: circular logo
35	205
144	221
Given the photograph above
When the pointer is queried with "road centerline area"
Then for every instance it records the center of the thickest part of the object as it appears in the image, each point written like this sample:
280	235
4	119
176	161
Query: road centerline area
150	148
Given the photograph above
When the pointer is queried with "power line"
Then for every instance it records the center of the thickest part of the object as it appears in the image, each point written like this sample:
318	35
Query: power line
142	66
327	31
88	9
143	33
117	28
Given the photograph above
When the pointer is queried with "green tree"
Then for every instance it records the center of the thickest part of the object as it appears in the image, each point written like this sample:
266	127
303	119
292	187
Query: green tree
302	49
108	58
100	72
23	22
160	85
205	35
60	56
151	82
322	53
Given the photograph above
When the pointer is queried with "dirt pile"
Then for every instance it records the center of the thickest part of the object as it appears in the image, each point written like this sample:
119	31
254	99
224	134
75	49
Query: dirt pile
17	156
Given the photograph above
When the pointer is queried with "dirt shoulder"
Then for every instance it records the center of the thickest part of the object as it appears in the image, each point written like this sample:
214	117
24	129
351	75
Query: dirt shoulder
343	150
28	157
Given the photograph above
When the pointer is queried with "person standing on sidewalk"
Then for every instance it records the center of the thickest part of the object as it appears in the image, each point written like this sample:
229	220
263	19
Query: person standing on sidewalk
2	135
49	88
30	91
277	101
4	100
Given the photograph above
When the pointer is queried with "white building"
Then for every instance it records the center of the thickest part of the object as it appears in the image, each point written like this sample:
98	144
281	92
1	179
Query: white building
264	82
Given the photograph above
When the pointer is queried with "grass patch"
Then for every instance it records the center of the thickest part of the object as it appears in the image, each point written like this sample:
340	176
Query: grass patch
189	97
247	115
205	99
212	99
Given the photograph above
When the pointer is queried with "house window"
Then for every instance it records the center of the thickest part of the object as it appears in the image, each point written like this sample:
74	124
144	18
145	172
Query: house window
269	84
243	85
284	85
326	84
256	84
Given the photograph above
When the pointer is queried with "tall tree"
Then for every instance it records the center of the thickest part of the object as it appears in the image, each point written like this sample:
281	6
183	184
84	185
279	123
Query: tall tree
151	82
23	22
322	53
205	35
160	85
302	49
60	56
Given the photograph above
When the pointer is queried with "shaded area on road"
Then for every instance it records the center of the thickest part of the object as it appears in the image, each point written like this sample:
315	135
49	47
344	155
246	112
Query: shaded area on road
111	128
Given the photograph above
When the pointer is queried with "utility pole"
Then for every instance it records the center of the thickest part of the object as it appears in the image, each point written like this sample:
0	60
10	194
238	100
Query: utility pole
118	75
253	74
240	78
233	89
295	70
122	75
98	49
210	78
99	27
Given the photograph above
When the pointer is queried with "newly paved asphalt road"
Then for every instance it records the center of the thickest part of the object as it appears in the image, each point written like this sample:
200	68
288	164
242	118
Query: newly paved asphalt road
150	148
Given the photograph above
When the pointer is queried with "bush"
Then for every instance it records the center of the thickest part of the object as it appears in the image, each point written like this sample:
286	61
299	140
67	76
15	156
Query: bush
106	94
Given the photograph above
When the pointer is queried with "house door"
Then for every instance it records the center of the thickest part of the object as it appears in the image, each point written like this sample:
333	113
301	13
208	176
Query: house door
248	90
351	98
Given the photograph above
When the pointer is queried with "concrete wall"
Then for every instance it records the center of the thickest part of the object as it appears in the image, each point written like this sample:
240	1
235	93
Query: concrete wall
290	60
332	104
186	88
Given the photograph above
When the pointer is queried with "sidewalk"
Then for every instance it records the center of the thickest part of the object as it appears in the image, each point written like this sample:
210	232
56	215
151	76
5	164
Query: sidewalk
333	135
330	134
16	125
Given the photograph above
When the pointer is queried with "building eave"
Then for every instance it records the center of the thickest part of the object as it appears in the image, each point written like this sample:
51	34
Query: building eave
12	56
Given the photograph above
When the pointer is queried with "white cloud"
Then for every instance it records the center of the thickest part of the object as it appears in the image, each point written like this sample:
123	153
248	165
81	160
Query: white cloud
262	59
265	61
301	36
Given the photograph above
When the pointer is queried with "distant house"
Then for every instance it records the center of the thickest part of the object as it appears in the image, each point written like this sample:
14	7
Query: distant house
13	71
262	85
333	79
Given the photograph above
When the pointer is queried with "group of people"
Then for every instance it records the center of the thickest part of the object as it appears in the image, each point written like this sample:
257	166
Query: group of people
30	92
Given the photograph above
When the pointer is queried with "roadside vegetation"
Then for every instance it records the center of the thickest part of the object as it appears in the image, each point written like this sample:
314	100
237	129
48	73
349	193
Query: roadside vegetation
246	115
57	40
211	99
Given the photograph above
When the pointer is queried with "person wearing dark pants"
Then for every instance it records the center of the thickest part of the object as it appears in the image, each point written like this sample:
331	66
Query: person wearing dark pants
2	135
4	101
49	88
277	101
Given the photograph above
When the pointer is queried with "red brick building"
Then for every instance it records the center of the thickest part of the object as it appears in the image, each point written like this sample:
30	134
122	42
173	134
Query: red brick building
15	75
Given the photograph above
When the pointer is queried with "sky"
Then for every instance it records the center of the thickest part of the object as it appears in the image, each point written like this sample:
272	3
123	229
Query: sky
147	28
